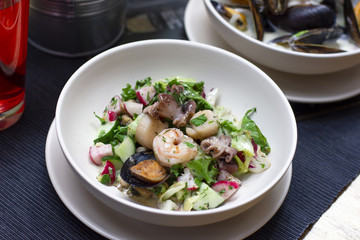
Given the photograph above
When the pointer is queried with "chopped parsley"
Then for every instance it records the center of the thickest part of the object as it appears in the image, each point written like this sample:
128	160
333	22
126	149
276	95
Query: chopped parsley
113	101
199	120
141	83
102	121
190	145
105	179
177	169
128	93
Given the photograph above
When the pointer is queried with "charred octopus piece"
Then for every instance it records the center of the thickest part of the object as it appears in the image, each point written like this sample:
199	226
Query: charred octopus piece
219	148
167	107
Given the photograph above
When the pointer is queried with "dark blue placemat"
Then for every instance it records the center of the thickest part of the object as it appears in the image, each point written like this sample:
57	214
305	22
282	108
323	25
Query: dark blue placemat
326	161
327	157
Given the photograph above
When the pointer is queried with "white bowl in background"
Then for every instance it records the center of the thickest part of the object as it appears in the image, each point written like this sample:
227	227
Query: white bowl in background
242	86
277	58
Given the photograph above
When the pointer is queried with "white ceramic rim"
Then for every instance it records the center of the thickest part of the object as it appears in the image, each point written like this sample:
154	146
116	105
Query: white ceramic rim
283	51
147	209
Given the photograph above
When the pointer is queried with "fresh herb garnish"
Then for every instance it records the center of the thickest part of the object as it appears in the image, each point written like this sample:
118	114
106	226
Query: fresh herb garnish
105	179
177	169
141	83
190	145
128	93
113	101
120	133
199	120
102	121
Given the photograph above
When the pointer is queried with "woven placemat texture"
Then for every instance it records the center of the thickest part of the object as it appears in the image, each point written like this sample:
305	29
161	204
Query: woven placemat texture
326	161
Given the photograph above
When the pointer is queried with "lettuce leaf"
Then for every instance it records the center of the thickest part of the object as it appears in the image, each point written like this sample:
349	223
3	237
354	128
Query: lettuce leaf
231	127
242	136
204	169
258	137
242	142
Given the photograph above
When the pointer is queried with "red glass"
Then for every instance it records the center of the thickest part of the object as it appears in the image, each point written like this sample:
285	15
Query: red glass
14	17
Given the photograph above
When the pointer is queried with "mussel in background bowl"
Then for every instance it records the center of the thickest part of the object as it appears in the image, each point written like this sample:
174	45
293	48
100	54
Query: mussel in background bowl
287	36
241	86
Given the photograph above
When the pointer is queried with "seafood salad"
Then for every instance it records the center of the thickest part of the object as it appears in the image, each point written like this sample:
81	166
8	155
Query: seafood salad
168	145
309	26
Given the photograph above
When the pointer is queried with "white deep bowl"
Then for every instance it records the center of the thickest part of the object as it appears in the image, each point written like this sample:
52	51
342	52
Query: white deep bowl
242	86
277	58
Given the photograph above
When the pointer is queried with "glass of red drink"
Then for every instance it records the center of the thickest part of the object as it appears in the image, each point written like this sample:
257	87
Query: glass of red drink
14	16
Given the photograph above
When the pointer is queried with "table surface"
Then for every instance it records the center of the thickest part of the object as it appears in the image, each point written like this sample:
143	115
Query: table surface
323	200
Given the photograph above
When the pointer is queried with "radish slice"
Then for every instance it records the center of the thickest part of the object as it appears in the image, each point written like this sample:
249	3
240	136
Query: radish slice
188	178
133	108
111	116
145	94
226	188
115	105
259	162
110	170
226	176
113	109
99	151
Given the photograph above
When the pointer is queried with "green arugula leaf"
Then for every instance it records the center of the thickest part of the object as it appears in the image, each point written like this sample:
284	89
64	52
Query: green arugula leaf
258	137
120	133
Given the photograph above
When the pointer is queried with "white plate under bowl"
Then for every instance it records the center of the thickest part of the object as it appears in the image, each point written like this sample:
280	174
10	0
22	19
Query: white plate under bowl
111	224
297	88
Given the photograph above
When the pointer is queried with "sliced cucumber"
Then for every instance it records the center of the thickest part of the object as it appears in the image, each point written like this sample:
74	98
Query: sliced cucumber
125	149
116	161
133	125
167	205
106	132
208	198
189	202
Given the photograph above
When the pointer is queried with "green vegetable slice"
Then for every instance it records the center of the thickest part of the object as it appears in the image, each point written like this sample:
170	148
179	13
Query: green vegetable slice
250	125
200	120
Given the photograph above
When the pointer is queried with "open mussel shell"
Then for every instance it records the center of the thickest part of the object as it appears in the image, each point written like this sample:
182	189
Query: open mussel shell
143	170
258	19
352	19
311	41
236	18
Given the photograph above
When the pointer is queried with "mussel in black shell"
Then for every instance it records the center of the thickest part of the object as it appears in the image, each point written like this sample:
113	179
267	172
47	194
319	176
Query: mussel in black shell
238	19
311	41
143	170
352	19
304	17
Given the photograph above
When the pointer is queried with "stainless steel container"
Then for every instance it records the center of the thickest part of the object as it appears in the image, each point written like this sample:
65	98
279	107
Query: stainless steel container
75	28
